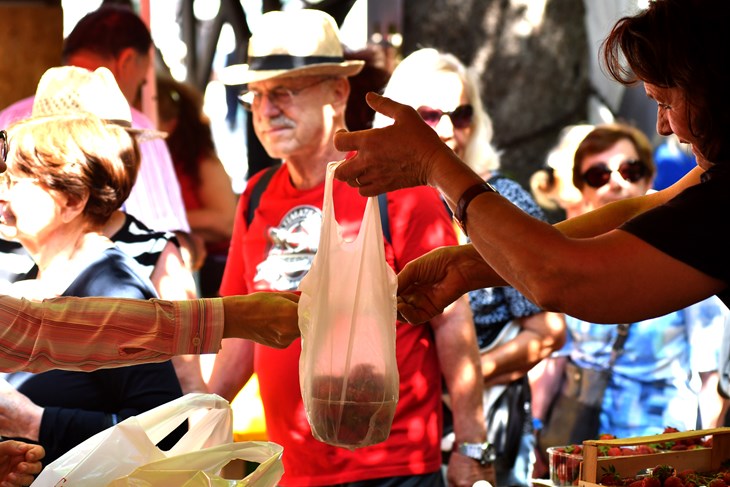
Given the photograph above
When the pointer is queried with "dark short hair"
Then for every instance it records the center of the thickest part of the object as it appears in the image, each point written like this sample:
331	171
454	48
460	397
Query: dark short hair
680	44
107	31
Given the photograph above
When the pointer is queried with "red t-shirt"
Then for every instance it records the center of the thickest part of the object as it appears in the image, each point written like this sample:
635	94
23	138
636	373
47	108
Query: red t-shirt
274	254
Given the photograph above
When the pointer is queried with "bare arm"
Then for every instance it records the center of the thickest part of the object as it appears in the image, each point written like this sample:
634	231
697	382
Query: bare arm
233	367
213	221
459	359
537	259
541	334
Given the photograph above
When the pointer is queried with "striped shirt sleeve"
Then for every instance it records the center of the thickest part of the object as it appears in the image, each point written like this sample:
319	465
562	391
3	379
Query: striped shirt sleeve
91	333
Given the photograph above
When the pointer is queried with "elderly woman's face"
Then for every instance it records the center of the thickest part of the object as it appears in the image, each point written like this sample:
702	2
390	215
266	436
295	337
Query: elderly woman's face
442	102
614	174
29	211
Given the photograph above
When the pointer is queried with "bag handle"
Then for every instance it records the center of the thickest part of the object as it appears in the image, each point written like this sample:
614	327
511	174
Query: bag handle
162	420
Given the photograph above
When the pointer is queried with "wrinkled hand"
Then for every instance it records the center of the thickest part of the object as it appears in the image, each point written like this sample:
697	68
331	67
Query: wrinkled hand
427	285
19	416
19	462
268	318
389	158
464	471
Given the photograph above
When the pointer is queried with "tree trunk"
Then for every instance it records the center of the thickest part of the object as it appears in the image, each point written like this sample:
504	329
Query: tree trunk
532	62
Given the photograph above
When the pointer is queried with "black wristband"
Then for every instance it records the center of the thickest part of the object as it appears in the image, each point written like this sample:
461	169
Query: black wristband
466	198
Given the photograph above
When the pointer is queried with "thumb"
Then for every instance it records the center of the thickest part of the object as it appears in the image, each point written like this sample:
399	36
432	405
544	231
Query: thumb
382	104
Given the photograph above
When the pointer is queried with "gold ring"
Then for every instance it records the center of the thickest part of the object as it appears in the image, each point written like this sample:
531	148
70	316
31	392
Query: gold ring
357	181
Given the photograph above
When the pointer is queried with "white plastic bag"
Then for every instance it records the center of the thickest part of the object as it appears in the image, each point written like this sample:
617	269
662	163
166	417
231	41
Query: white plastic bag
118	451
347	312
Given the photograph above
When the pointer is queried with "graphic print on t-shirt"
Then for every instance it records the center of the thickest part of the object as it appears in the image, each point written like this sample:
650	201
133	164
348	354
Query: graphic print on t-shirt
292	245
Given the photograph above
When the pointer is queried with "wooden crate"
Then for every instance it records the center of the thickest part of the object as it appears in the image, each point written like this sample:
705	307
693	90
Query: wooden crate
700	459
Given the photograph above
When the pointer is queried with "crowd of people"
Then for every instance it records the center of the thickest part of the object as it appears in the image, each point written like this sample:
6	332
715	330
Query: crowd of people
97	204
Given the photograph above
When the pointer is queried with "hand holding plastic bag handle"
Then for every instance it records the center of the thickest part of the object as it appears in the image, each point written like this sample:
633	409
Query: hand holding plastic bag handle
347	311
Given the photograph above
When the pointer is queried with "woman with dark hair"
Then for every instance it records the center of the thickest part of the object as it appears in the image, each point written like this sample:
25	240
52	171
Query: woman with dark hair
206	187
627	261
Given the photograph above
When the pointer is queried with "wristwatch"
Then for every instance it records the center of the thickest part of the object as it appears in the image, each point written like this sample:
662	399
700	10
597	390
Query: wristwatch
482	452
471	193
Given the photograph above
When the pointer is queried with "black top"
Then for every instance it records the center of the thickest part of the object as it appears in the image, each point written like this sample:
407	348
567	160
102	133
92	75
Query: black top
81	404
689	227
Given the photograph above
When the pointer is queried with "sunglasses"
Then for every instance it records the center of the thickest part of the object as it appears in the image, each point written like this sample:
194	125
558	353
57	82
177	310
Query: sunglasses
461	117
4	145
632	171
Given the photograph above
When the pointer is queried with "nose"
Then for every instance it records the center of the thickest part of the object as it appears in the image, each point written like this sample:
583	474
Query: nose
445	129
266	107
662	124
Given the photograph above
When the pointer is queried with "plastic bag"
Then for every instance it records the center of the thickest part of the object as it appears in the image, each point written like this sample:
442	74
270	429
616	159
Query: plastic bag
117	452
347	312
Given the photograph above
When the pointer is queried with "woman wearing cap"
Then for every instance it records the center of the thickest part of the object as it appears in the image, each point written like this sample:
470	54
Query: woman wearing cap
631	260
65	175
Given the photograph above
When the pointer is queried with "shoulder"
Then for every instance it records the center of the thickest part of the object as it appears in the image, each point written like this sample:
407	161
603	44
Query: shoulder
113	274
140	120
17	111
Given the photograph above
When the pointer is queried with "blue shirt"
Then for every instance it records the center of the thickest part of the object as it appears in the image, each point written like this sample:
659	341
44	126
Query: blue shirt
495	307
655	380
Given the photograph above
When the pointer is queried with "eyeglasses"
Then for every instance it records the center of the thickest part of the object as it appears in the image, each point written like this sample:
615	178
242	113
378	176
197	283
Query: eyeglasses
461	117
632	171
4	146
280	96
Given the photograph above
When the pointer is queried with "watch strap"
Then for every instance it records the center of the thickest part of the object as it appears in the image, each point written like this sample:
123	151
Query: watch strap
466	198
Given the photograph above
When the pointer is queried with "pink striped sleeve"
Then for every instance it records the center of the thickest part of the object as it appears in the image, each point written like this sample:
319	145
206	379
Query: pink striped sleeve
90	333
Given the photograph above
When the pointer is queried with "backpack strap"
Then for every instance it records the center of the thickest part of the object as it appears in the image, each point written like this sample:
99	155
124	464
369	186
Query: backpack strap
384	218
260	186
258	190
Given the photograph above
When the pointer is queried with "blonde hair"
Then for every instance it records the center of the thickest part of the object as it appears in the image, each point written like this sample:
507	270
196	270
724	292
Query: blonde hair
552	186
421	64
77	155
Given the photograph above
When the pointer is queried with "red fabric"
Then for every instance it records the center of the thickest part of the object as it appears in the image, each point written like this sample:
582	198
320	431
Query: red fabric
283	238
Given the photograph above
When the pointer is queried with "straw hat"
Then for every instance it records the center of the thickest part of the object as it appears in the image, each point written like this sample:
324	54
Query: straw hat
73	90
303	42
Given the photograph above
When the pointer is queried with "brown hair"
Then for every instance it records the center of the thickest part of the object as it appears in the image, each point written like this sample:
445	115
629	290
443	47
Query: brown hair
192	139
682	44
78	155
602	138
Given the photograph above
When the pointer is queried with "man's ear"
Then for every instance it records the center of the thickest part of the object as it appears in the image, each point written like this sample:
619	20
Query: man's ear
340	92
125	59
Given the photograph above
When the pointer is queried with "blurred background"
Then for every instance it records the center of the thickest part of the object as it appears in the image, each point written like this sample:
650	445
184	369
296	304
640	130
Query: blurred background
537	59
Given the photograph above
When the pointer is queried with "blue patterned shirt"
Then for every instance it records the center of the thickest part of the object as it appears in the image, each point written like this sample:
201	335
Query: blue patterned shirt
495	307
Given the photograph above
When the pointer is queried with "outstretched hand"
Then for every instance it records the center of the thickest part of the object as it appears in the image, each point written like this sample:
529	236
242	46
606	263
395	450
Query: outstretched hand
19	462
427	285
269	318
389	158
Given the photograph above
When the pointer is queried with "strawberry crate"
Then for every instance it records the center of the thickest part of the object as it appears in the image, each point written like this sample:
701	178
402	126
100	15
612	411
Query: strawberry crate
707	458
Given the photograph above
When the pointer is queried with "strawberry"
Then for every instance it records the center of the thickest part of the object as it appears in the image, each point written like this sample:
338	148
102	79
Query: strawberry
613	451
637	483
644	450
652	481
610	477
717	482
673	481
684	474
662	472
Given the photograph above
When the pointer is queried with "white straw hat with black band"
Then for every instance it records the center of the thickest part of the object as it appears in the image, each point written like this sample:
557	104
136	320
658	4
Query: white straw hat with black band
303	42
